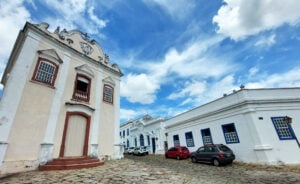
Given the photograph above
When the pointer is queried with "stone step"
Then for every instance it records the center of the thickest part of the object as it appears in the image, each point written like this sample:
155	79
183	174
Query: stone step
71	163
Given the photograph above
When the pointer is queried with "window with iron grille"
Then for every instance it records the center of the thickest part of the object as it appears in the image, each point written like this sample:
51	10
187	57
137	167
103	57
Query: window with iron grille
189	139
45	72
283	129
108	92
176	140
230	133
206	136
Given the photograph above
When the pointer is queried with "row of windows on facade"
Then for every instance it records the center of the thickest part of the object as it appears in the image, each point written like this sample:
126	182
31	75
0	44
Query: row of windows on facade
283	129
141	140
127	132
46	72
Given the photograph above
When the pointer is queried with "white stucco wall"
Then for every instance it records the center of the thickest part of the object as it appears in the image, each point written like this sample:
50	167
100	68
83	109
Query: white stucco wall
251	112
13	91
33	115
153	128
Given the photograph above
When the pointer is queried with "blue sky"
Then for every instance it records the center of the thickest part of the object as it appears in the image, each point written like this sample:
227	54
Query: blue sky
176	54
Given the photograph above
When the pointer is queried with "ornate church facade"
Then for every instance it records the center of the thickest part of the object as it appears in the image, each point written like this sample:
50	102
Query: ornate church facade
61	99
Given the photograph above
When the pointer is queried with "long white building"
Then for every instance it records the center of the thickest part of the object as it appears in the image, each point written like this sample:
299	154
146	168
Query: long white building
145	131
259	125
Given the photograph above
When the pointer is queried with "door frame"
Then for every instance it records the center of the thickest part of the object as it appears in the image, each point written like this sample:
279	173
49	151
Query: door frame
153	145
86	137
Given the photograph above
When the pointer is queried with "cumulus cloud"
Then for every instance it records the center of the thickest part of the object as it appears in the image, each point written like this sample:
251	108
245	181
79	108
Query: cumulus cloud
238	19
193	88
139	88
194	61
13	16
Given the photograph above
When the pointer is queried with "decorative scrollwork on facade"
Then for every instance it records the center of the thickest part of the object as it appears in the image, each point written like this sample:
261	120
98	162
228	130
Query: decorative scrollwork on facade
86	48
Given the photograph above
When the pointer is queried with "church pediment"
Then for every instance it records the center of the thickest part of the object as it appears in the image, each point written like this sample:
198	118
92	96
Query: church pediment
85	69
50	54
109	80
82	43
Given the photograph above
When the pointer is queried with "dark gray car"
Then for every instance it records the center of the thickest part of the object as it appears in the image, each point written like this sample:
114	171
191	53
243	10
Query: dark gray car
213	153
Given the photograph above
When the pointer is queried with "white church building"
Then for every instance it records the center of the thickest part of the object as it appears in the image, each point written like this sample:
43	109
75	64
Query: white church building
61	100
259	125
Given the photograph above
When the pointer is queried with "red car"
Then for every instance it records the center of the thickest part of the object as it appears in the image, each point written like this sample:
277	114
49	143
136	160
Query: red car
178	152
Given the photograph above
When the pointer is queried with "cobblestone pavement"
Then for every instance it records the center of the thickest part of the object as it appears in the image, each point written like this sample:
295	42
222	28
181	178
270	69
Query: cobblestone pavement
156	169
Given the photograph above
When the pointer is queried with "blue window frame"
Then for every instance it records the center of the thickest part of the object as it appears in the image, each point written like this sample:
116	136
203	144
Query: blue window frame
135	142
206	136
230	133
142	140
128	143
176	140
123	133
283	129
127	131
189	139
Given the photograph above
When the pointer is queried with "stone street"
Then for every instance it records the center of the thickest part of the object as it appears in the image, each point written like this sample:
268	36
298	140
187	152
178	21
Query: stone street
156	169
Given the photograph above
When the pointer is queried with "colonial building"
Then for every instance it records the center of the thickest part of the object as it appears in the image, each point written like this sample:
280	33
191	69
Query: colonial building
259	125
61	99
145	131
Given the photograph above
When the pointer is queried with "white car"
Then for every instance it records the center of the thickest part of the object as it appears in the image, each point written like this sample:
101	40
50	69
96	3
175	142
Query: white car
129	150
142	150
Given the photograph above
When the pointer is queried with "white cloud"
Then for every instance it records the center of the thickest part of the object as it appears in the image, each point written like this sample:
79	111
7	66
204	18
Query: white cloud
241	18
128	114
13	16
193	62
179	9
287	79
217	89
69	9
101	23
266	41
76	17
139	88
253	71
198	93
186	101
193	88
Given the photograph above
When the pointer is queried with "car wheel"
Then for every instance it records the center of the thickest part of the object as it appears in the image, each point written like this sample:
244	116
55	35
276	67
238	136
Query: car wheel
166	156
216	162
177	157
193	159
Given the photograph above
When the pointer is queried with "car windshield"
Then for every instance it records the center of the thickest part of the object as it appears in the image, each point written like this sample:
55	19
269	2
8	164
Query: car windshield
183	148
224	148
